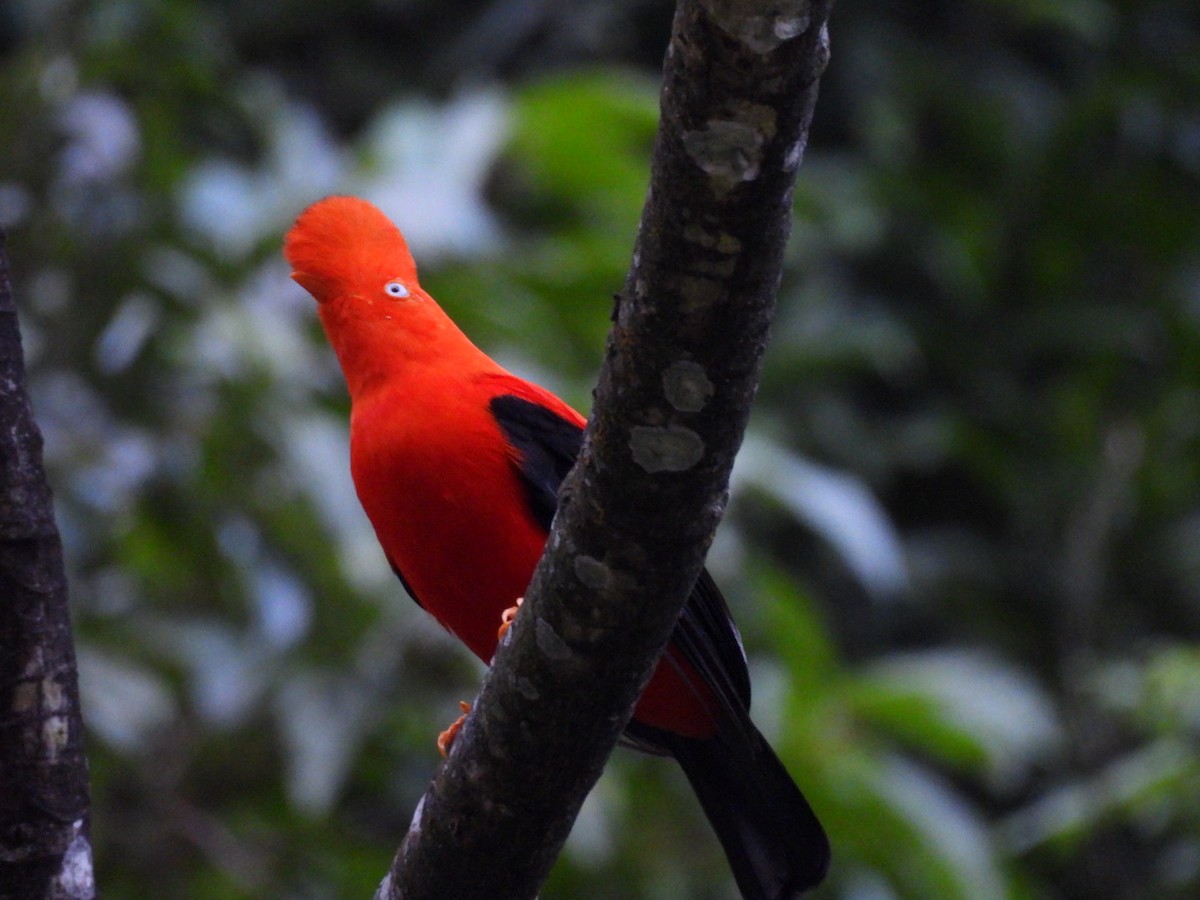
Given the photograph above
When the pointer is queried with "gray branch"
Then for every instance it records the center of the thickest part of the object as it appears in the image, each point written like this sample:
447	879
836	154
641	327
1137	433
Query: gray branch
638	512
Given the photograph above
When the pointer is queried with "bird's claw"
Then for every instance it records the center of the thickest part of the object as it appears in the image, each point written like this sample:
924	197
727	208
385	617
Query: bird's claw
506	618
446	738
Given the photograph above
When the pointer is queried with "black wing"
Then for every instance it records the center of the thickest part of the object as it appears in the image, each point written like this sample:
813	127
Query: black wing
548	445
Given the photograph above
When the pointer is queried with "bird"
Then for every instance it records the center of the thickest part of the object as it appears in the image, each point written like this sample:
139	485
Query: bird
457	464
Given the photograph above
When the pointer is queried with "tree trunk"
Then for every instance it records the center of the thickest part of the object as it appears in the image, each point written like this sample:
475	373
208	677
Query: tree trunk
44	827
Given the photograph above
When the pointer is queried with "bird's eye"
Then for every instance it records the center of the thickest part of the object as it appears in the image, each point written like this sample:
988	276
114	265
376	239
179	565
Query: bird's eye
396	289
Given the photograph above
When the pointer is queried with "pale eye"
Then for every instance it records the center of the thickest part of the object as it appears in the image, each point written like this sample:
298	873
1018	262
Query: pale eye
396	289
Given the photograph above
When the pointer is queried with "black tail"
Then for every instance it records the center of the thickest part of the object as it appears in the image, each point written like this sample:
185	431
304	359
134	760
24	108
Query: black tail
775	845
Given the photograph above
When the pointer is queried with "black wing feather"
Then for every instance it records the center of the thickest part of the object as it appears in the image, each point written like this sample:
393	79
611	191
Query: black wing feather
706	636
548	445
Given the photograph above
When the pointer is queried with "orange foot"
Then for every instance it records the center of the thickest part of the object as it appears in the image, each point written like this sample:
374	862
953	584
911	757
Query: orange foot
446	738
506	619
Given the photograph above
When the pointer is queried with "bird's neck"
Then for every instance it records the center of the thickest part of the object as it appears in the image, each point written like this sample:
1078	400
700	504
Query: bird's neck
379	352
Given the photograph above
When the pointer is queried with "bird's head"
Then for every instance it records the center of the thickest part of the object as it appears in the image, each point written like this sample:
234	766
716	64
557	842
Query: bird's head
354	261
344	247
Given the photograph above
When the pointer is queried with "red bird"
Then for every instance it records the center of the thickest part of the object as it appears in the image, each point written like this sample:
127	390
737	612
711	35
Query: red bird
457	464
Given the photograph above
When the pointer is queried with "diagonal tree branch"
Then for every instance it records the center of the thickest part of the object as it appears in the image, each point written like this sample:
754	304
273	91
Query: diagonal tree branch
638	512
44	848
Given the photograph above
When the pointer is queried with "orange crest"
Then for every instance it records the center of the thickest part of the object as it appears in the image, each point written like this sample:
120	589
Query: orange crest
341	242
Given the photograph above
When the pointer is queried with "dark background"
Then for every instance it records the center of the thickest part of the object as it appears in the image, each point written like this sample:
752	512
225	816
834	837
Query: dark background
964	545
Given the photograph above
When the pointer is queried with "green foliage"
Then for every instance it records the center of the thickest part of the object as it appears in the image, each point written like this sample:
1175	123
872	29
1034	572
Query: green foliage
963	543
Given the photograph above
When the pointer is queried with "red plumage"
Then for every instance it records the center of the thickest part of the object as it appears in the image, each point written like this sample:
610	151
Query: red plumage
457	462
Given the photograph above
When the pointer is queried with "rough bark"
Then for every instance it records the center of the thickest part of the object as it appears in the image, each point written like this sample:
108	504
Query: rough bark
639	510
44	847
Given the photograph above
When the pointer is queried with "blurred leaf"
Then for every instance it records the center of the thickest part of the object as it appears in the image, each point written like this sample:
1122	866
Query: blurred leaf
962	707
896	818
835	505
1090	19
323	719
1160	780
796	631
604	118
126	704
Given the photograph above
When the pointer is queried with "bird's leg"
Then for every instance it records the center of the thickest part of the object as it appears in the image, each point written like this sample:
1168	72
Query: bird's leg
506	618
446	738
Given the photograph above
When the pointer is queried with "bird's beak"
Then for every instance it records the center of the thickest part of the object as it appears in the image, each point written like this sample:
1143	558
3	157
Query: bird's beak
313	284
